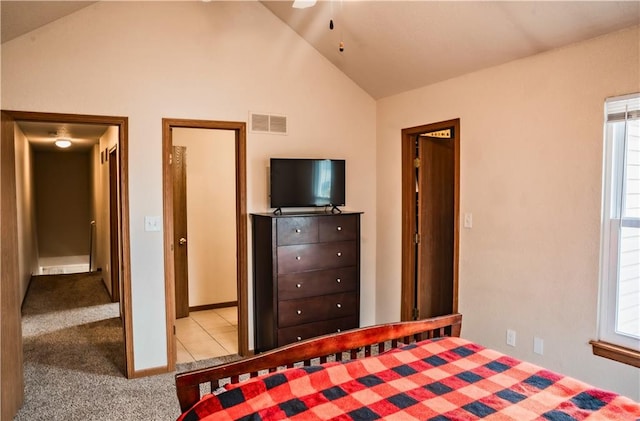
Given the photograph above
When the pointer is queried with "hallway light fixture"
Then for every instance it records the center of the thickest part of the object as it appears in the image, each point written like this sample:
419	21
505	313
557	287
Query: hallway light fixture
63	143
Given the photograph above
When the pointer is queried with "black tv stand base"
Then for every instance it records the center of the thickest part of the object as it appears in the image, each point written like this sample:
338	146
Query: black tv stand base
334	210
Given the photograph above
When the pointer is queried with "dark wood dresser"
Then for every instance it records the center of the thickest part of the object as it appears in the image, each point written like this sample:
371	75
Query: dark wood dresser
306	271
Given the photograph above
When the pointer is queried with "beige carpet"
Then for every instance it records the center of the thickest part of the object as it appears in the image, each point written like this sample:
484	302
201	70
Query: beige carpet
74	357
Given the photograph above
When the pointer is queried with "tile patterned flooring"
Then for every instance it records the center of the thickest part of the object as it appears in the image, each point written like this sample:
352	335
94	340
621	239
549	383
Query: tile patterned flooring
207	334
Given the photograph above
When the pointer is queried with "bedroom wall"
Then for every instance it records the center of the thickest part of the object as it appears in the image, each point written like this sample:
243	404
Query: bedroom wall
26	206
531	158
197	60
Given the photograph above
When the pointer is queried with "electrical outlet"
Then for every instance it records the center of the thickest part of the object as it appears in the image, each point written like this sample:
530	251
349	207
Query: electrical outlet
511	337
538	345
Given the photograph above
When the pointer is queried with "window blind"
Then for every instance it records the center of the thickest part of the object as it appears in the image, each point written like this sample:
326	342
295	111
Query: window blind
623	108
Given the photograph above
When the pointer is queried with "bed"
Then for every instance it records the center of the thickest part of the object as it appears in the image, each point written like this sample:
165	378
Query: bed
419	370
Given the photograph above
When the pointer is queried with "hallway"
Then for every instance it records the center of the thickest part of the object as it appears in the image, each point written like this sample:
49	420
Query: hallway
74	357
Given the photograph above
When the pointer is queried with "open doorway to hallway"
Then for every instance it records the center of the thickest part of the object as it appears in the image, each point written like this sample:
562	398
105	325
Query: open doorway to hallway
63	247
69	206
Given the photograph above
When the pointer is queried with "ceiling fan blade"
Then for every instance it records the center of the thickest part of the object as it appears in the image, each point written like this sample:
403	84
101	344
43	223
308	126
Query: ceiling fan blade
303	4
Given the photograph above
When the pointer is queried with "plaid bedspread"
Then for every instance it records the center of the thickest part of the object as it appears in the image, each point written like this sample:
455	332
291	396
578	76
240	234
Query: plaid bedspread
438	380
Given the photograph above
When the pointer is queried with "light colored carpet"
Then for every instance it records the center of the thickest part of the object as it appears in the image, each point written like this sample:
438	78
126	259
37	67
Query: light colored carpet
74	357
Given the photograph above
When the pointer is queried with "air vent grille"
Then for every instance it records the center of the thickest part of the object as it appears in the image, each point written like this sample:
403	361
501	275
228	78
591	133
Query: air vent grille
268	123
259	123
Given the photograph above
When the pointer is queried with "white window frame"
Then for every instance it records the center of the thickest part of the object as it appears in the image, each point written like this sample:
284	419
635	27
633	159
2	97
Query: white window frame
611	221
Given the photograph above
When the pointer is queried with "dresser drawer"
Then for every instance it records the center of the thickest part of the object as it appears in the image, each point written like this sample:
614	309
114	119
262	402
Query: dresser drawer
310	330
305	257
323	307
338	228
317	282
297	230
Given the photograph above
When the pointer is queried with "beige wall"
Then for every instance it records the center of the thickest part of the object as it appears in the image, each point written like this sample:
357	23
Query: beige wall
211	214
531	158
62	191
26	206
199	60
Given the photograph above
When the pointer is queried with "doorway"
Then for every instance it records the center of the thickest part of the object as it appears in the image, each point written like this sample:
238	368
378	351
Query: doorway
9	119
175	238
430	213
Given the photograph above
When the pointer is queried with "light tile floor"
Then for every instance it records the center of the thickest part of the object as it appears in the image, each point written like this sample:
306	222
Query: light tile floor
207	334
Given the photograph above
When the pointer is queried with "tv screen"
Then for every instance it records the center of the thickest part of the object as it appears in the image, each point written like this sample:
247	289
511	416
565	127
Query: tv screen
307	182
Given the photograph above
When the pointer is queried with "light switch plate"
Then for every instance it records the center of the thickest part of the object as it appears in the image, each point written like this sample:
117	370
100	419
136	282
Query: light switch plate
538	345
468	220
152	223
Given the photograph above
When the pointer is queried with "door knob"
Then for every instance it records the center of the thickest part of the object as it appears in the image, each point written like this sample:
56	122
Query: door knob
182	241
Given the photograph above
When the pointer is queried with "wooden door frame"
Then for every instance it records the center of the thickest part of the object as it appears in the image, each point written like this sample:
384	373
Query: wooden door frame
11	354
114	243
409	216
125	257
241	227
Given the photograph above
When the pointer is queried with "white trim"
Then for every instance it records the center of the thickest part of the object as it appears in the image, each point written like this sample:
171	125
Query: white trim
612	205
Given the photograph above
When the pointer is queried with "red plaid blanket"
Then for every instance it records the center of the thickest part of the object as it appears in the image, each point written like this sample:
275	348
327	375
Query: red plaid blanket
438	380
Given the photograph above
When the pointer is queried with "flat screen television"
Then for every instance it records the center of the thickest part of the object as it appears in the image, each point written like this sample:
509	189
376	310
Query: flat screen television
307	182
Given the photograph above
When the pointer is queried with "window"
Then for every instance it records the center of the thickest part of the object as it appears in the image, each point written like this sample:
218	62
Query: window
620	247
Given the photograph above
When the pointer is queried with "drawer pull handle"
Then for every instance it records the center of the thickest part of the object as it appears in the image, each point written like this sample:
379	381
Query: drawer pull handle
298	285
299	312
339	254
298	257
338	280
298	338
298	231
339	305
339	228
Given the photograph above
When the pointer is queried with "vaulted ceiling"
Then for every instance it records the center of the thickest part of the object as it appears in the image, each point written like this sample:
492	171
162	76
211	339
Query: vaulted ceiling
395	46
390	47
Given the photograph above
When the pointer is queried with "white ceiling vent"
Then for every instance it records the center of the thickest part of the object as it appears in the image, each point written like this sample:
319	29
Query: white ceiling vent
268	123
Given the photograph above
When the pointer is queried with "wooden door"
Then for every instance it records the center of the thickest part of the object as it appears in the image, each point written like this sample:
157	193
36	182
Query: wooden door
180	230
114	224
430	213
11	372
435	223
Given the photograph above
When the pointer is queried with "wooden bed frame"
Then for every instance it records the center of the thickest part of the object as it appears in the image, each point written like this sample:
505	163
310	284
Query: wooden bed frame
334	345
